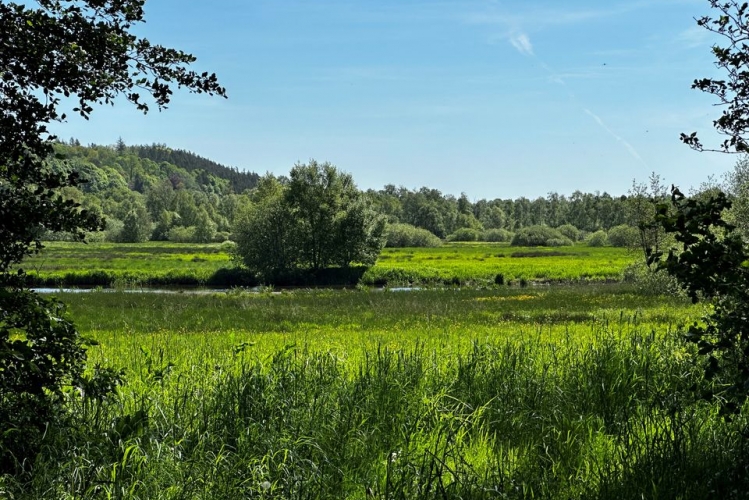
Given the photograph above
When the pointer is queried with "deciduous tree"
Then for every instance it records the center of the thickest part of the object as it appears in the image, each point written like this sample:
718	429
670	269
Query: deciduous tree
317	220
84	50
713	263
336	224
732	25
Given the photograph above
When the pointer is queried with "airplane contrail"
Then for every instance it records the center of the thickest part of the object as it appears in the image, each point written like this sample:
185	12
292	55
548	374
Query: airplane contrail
523	44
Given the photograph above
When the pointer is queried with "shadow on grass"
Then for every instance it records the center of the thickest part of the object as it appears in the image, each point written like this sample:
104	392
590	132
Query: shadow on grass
222	278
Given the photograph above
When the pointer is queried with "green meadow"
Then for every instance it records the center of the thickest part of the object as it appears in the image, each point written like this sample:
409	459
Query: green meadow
109	264
179	264
566	384
536	392
482	262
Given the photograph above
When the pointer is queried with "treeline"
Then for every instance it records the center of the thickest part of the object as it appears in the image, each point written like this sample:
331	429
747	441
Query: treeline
156	193
443	214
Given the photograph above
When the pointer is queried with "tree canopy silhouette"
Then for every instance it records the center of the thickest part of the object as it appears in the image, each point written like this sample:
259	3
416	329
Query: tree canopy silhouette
51	54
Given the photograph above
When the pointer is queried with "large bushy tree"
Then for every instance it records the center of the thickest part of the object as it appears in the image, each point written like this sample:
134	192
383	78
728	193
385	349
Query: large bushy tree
266	233
337	226
316	220
52	50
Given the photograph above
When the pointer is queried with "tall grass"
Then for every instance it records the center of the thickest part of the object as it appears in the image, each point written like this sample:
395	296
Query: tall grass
605	416
537	393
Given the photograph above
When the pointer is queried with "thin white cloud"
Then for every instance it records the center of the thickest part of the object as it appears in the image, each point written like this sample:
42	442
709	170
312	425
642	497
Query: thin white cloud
522	43
537	18
630	148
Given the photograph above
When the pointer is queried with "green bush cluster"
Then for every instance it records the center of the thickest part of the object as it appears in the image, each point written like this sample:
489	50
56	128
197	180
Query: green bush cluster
623	236
180	234
490	235
539	236
651	281
596	239
570	232
402	235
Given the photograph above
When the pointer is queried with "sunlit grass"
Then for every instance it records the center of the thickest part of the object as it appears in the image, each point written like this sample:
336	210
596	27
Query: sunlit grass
209	330
482	262
536	392
541	392
164	263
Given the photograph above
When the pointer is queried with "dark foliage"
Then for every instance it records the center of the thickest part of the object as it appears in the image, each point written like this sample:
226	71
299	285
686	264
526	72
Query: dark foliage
713	266
58	49
40	352
240	181
732	24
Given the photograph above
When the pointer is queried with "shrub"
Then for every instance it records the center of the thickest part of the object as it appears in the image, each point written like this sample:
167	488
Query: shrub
96	236
624	236
569	231
651	281
228	246
113	229
497	235
597	239
43	354
136	226
535	236
205	228
465	234
559	242
91	236
182	234
405	235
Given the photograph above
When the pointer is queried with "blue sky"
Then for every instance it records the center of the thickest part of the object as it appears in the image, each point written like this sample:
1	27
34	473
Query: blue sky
497	99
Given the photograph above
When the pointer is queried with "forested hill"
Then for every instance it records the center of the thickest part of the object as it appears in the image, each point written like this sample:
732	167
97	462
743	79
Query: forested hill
153	192
157	193
143	165
239	180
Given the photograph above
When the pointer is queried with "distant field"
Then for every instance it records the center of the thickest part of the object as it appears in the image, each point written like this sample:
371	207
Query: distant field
110	264
178	264
481	262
